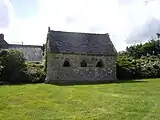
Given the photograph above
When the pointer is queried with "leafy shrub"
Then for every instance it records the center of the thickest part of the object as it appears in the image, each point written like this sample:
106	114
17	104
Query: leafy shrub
36	73
13	66
145	67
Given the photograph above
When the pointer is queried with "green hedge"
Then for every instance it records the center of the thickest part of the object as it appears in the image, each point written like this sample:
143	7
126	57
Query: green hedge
36	72
144	67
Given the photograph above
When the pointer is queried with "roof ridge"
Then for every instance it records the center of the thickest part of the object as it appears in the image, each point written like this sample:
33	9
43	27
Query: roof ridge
74	32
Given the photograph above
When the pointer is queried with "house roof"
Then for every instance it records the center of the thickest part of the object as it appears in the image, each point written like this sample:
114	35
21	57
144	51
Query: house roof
3	43
75	42
19	45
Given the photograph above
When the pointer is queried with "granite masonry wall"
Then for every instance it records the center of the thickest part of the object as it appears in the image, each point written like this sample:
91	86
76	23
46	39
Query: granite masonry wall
56	73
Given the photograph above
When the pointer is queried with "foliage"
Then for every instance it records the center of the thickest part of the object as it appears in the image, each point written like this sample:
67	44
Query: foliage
129	67
14	69
13	66
152	47
36	73
140	61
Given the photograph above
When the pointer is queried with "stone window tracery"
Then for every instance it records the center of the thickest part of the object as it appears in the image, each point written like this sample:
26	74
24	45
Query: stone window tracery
100	64
83	63
66	63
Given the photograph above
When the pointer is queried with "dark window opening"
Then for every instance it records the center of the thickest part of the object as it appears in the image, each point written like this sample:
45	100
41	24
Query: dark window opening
83	63
66	64
100	64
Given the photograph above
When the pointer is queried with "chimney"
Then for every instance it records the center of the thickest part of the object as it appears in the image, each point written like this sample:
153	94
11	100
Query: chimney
1	36
49	29
158	35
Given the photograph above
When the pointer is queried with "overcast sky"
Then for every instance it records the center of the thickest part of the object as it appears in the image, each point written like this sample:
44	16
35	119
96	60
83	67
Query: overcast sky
127	21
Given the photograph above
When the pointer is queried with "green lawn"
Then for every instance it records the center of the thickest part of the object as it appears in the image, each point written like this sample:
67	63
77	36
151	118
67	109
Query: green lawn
139	100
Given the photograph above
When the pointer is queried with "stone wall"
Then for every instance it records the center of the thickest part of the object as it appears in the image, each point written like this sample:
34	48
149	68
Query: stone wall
56	73
31	52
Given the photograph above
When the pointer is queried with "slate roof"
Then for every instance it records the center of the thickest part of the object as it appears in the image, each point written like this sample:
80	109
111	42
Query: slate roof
5	45
75	42
19	45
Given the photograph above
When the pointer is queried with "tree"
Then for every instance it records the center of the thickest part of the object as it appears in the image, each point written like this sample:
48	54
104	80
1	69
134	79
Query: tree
13	66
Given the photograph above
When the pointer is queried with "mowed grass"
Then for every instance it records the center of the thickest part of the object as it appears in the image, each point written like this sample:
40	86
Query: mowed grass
139	100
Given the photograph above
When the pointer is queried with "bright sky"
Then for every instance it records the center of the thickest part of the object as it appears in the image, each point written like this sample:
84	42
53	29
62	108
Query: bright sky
127	21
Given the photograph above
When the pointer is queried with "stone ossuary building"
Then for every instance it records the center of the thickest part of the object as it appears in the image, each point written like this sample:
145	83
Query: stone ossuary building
79	57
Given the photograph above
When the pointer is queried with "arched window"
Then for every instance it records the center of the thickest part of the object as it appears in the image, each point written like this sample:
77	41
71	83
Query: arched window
66	63
100	64
83	63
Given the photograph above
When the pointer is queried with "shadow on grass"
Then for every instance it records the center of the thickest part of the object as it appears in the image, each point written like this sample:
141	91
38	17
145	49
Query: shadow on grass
69	83
3	83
